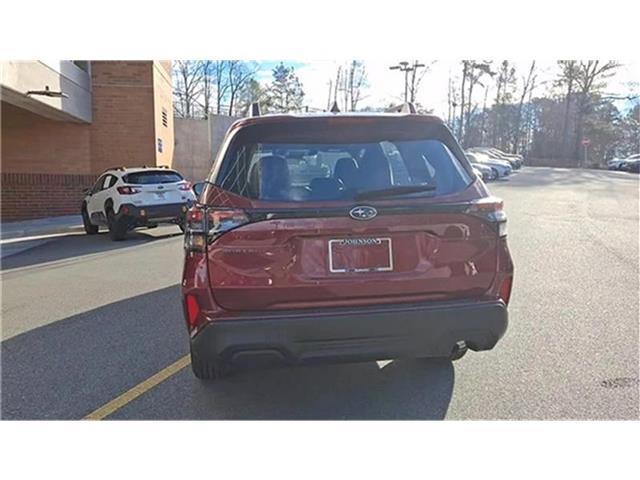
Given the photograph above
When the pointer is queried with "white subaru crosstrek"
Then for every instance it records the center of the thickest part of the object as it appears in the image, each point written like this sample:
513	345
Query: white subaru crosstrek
125	198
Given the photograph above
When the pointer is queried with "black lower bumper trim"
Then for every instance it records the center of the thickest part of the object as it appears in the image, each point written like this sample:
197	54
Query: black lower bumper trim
424	330
154	213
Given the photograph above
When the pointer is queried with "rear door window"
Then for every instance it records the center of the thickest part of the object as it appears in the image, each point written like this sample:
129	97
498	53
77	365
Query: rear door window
300	172
152	177
99	183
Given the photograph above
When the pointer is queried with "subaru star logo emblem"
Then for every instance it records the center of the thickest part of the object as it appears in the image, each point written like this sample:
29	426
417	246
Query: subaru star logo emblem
363	213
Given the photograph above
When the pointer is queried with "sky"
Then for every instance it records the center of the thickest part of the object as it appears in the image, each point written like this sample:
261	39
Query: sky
387	86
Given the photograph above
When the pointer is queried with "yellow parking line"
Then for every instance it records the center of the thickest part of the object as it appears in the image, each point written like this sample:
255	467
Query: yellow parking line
130	395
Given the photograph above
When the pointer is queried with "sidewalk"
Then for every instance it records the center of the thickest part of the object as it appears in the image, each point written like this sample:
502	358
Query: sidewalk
25	229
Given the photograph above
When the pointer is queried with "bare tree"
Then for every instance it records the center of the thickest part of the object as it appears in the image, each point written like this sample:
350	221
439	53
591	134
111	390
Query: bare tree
357	82
336	84
417	75
221	81
472	73
465	69
451	102
590	79
187	86
208	81
505	79
350	81
484	114
528	83
238	74
330	94
569	70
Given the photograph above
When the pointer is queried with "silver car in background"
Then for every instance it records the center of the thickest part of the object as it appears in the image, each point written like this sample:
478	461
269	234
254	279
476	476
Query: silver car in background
500	168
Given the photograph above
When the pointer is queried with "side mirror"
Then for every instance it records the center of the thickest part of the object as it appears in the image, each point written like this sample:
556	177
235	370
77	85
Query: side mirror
86	191
198	188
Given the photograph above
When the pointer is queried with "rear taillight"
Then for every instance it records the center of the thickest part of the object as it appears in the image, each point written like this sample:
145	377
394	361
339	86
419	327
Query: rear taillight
505	290
193	310
186	186
128	190
491	209
205	224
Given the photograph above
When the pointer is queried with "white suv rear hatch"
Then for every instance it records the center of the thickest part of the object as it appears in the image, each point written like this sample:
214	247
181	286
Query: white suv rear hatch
157	187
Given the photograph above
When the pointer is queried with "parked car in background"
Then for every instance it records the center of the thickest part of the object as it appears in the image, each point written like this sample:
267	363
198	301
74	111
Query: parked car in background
478	173
615	163
514	160
620	163
631	164
392	249
485	172
500	168
125	198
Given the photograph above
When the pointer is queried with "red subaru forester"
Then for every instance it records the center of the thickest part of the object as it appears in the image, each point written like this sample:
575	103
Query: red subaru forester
342	237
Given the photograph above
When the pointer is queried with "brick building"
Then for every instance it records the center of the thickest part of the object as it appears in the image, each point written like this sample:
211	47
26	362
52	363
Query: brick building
65	122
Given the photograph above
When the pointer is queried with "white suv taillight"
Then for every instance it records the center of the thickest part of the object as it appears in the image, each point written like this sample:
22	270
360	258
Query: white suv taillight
185	187
126	190
491	209
204	224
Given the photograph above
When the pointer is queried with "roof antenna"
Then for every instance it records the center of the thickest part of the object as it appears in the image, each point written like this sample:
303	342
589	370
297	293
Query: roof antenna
255	109
334	108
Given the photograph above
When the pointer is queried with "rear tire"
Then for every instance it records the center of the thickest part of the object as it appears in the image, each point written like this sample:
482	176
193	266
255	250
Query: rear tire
117	228
89	228
207	369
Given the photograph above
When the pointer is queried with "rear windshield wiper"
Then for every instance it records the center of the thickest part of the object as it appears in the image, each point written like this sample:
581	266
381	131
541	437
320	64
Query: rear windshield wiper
393	191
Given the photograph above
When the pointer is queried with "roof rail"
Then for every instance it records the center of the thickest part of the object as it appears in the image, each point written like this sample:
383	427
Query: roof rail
407	107
255	109
335	108
113	168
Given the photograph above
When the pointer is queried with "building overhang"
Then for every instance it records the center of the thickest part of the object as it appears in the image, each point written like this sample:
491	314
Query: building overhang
24	85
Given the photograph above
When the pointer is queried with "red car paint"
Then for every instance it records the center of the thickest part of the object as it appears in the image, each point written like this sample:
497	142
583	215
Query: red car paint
315	257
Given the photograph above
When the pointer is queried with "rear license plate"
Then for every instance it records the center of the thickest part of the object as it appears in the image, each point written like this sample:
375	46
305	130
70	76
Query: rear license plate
160	195
360	255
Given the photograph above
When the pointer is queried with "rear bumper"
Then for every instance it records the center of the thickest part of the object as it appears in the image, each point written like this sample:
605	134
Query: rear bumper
172	212
415	330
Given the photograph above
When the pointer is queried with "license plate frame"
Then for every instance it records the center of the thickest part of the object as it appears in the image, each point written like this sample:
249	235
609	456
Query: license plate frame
374	269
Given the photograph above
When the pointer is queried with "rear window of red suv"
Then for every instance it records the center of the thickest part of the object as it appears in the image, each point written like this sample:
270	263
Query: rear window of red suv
325	164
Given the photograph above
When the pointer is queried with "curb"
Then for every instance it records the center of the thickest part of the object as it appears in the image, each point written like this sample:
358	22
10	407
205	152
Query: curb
29	233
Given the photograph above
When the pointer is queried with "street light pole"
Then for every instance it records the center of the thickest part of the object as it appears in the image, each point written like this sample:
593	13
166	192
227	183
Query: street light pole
404	67
406	84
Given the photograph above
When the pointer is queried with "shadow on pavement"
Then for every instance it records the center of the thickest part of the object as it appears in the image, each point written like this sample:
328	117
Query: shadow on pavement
70	246
69	368
417	389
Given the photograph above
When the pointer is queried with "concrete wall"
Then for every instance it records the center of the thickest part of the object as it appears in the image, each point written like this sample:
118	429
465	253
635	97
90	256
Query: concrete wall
192	152
19	77
218	126
197	143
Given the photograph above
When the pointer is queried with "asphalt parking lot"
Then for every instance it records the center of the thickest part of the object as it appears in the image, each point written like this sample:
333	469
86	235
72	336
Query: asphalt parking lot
85	320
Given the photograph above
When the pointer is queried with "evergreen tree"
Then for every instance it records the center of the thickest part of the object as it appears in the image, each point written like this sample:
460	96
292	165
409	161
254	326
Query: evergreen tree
285	93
